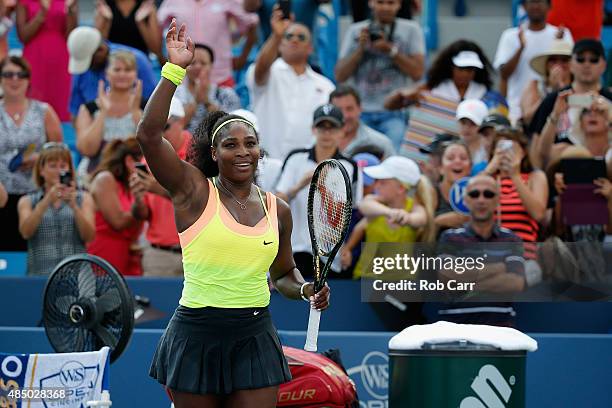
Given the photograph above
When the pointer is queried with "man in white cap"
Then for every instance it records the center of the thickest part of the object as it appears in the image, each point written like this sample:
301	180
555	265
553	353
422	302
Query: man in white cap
163	256
470	115
88	58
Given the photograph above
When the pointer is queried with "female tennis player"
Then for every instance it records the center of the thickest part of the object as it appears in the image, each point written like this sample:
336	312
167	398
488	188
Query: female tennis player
220	348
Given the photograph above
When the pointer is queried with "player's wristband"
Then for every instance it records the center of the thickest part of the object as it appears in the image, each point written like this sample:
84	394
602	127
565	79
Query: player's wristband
302	292
173	73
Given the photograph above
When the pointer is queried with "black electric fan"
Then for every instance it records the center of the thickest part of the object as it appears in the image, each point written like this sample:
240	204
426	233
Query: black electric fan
87	305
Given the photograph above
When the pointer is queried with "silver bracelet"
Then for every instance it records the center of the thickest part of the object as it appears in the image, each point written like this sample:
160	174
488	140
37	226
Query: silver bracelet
302	292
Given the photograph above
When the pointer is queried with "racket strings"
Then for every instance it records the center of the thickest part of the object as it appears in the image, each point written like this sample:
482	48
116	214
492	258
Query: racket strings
331	209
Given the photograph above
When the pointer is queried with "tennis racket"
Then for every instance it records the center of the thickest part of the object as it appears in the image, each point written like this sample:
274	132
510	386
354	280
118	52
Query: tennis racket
329	214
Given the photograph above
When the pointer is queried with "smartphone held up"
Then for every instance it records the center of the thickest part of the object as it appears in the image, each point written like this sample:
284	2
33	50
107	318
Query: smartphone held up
285	7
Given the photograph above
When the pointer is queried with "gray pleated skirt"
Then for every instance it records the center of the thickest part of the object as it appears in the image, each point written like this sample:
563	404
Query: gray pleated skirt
217	351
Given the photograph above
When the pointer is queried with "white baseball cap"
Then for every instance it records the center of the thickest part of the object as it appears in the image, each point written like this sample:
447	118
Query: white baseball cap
472	109
398	167
176	108
248	115
467	59
82	44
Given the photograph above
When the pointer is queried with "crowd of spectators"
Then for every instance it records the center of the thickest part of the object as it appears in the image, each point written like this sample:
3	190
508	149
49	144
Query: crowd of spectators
520	120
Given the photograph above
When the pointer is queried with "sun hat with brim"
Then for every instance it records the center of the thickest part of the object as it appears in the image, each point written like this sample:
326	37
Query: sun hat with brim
558	47
403	169
467	59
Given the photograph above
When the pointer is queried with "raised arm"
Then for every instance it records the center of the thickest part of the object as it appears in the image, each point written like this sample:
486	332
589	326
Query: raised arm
27	29
172	173
269	51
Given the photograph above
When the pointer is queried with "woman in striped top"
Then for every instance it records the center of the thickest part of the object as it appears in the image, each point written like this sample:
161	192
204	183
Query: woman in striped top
524	189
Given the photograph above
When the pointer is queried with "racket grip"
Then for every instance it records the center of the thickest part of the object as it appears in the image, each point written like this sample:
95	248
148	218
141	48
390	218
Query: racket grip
313	330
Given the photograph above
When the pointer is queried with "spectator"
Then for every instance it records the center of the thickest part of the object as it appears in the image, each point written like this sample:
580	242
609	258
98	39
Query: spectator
470	115
356	133
523	193
456	164
114	114
297	173
199	94
210	24
120	207
44	25
518	45
378	56
89	56
130	22
6	23
3	196
19	141
461	71
163	256
57	219
285	91
361	11
431	166
553	68
393	213
556	120
488	129
504	263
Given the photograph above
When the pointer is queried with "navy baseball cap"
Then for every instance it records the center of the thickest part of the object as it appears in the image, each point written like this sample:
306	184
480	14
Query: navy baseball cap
330	113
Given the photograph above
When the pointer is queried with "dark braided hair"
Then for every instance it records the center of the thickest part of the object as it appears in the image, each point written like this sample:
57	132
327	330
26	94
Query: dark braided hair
200	152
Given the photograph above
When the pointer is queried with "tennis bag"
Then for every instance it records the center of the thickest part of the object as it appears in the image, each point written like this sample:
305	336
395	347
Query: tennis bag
317	382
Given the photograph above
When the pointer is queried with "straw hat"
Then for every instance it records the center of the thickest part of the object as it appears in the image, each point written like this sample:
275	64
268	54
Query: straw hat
558	47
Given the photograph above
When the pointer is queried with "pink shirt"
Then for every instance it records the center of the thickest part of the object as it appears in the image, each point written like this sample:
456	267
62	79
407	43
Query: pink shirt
208	22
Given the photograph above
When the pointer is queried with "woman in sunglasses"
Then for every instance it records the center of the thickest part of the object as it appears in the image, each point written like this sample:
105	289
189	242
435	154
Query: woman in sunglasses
57	219
25	125
523	189
200	94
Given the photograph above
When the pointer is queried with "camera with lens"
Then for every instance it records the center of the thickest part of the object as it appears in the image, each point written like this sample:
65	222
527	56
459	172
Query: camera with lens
376	31
65	178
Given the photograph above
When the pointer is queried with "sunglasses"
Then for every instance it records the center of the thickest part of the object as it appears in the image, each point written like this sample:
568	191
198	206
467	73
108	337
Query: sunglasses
10	74
300	36
582	60
55	145
486	193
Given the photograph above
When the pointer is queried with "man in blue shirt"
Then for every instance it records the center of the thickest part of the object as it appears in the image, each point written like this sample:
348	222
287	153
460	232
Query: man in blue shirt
88	58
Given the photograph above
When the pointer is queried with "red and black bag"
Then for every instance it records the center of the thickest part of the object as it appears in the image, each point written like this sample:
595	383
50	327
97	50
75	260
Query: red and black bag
317	382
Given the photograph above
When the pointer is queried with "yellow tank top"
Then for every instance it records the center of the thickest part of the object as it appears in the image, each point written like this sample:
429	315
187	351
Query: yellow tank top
379	230
225	263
